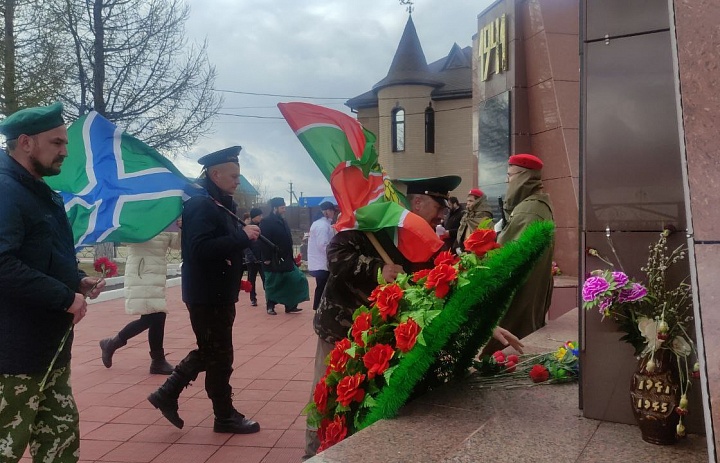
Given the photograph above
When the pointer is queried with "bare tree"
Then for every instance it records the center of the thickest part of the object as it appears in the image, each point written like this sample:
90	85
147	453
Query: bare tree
258	182
32	63
134	66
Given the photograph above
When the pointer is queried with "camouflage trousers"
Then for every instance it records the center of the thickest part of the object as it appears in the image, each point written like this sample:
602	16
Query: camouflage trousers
47	421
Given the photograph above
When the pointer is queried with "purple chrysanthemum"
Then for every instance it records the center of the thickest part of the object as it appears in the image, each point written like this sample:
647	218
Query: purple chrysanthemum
637	292
592	287
620	278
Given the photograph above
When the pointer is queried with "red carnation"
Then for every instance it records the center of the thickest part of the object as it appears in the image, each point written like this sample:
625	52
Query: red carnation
513	358
377	359
539	373
446	257
481	241
105	267
331	432
406	334
320	396
420	274
510	366
245	286
440	278
349	390
361	324
338	356
387	300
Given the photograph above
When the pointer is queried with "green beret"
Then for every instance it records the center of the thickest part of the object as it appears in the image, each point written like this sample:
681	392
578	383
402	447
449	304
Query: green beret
31	121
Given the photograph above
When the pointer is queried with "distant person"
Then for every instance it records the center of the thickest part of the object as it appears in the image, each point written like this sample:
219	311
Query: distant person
452	221
145	281
212	244
525	203
321	232
253	258
42	293
284	282
477	209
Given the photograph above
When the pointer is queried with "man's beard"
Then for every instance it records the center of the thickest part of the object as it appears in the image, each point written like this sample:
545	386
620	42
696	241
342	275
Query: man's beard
45	171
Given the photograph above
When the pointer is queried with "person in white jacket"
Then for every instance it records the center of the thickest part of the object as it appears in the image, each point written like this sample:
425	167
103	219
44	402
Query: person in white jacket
321	232
145	278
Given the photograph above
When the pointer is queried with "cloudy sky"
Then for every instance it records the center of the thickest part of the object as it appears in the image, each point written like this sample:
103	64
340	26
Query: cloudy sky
330	50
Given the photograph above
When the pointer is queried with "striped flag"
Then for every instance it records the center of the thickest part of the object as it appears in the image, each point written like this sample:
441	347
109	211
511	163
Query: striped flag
345	153
115	187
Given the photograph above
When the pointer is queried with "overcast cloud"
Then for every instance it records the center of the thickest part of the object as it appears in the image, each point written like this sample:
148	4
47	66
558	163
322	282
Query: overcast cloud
317	48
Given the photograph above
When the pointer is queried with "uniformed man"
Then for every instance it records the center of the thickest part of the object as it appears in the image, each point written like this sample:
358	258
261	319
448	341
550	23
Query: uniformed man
213	243
477	209
42	292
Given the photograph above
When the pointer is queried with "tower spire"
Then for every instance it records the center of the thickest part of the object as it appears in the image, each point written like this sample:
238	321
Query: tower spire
410	8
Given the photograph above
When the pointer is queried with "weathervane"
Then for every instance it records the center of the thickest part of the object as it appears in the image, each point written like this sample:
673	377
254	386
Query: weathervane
409	4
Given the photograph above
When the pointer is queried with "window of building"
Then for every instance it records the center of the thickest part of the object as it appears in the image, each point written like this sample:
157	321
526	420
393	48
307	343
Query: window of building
494	147
429	129
398	130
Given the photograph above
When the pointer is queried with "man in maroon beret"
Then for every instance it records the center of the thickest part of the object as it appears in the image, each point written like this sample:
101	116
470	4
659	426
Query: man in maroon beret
525	203
477	209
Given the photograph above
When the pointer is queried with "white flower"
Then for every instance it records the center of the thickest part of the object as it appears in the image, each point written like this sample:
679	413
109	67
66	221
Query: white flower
681	347
649	329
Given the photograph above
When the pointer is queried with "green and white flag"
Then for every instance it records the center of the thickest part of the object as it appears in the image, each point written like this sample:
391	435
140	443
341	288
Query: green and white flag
115	187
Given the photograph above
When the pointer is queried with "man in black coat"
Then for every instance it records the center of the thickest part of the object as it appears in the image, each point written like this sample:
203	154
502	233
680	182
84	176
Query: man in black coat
253	258
213	243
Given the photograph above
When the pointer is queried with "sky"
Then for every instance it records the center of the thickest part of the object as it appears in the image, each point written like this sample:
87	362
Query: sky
328	50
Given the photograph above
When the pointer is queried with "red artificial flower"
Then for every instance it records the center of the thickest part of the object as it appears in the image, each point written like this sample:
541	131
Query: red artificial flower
361	324
320	395
481	241
406	334
331	432
420	274
298	260
446	257
349	390
499	356
105	267
539	373
338	356
245	286
388	299
513	358
440	278
377	359
510	366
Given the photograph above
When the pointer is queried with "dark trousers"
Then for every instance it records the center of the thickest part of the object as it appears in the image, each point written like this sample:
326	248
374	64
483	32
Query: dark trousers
321	278
253	270
153	322
212	325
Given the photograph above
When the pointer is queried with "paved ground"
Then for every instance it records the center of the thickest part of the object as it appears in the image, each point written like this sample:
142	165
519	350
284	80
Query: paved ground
271	383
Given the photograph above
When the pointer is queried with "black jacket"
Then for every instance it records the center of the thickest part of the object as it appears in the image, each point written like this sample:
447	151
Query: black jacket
212	248
38	272
276	229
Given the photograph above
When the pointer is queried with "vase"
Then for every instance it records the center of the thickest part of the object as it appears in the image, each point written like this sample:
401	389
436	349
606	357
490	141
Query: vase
655	395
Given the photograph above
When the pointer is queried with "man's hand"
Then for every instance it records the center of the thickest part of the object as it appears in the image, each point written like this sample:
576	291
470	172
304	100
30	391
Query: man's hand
78	308
506	338
92	286
391	271
252	231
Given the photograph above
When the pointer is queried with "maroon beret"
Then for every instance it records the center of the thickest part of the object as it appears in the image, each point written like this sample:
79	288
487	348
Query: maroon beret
527	161
476	192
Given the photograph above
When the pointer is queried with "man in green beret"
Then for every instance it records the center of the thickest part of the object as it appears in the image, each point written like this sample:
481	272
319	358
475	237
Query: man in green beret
42	292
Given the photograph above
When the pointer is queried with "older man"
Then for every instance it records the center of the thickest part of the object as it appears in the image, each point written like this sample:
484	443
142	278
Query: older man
213	241
42	292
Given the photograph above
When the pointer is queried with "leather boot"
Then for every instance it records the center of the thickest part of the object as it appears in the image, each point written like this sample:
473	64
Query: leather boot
158	365
236	423
108	346
166	398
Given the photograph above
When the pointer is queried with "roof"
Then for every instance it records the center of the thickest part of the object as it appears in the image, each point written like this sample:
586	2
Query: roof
451	75
246	188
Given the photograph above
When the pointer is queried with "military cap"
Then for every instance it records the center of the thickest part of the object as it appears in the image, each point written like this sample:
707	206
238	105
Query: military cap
477	192
221	157
435	187
255	211
31	121
528	161
276	202
327	205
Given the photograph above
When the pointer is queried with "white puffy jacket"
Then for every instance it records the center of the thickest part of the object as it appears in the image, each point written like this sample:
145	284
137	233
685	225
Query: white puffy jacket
146	272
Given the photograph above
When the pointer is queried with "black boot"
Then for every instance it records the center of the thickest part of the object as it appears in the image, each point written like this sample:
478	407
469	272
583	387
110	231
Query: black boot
271	309
236	423
158	365
108	346
166	398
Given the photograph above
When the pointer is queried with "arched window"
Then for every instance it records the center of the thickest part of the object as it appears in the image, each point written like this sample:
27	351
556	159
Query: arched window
429	129
398	130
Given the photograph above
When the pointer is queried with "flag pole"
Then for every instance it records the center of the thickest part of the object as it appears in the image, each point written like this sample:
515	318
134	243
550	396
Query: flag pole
378	247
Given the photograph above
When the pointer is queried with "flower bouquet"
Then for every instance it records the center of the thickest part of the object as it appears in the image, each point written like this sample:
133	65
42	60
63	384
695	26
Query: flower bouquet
656	318
420	331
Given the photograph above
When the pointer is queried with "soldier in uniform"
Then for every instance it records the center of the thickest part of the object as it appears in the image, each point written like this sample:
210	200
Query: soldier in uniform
477	209
213	243
42	293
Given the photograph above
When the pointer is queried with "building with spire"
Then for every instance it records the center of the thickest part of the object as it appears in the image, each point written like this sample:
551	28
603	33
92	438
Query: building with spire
422	113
